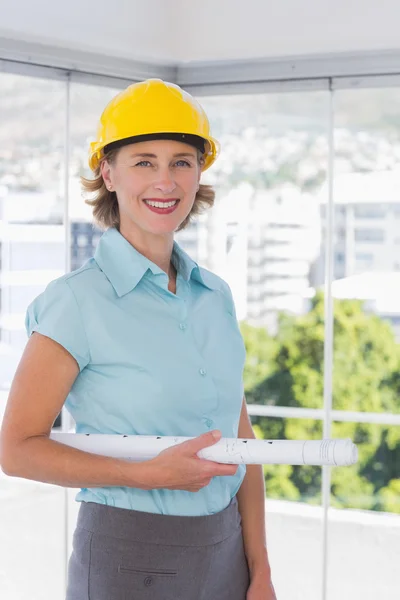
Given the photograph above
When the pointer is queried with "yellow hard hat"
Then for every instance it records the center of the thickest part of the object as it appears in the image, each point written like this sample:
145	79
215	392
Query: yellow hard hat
153	109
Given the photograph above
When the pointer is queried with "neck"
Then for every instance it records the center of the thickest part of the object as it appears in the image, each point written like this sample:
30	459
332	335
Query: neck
157	248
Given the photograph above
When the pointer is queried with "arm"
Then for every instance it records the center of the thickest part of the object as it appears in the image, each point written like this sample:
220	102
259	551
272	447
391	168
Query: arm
43	380
40	386
251	500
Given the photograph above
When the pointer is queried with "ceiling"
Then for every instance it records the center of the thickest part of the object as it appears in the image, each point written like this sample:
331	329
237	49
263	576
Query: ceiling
180	31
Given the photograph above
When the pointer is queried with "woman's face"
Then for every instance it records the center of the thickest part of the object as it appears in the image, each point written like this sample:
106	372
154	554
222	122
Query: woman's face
156	184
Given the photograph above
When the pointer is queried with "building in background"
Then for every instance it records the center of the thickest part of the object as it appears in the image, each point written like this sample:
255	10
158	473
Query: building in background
284	239
379	292
366	224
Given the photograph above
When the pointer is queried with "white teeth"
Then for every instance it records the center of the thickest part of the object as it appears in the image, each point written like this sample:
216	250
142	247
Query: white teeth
161	204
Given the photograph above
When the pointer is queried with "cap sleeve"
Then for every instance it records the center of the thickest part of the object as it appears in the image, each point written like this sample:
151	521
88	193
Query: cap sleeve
55	313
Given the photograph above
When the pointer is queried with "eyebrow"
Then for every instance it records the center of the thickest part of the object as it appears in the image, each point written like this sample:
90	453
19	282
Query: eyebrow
149	155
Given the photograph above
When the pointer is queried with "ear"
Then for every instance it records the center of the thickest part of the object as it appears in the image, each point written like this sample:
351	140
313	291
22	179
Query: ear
198	180
105	170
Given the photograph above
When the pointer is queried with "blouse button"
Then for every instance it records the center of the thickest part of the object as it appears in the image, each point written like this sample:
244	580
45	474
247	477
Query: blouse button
182	326
202	372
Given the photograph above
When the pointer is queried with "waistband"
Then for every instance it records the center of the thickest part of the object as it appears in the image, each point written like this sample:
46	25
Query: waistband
154	528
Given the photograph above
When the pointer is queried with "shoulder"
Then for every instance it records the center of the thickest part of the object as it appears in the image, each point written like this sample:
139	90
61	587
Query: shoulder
56	314
79	278
67	289
213	281
219	285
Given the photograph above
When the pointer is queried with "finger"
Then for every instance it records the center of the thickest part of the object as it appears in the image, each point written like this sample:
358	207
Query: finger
202	441
222	469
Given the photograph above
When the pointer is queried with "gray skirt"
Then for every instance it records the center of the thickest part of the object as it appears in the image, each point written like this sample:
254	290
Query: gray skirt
121	554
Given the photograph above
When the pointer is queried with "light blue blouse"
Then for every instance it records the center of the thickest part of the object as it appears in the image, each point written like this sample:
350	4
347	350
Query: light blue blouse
151	362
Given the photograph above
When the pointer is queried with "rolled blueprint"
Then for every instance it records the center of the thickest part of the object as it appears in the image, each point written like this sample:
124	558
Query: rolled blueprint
331	452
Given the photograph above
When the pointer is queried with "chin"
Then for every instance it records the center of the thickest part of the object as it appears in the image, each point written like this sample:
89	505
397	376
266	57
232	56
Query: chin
163	230
167	227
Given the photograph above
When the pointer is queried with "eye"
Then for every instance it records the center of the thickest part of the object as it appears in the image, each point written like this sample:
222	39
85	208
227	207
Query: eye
143	163
183	163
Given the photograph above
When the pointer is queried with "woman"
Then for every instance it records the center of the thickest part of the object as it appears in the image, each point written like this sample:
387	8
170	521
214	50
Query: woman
140	340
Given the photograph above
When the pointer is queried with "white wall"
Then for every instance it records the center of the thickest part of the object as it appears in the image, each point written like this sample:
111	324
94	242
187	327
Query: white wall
180	30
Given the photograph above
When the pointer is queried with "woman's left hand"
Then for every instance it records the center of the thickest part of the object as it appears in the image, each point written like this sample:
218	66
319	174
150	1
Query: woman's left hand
261	588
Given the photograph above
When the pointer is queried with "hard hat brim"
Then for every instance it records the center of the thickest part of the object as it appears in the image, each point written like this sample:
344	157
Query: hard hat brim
209	147
186	138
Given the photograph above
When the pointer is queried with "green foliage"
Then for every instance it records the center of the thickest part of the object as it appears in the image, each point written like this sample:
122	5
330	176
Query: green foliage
260	351
288	370
389	496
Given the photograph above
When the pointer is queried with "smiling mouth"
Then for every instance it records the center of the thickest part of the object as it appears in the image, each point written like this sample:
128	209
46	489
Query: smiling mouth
162	207
161	203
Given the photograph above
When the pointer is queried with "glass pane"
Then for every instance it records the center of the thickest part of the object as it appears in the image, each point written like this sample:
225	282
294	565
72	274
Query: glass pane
32	253
87	102
367	250
293	513
286	482
264	234
364	523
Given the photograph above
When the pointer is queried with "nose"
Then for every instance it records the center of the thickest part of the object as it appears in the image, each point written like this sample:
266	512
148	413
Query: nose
165	182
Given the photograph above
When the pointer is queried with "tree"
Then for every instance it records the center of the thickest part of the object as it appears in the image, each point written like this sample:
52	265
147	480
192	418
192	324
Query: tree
365	378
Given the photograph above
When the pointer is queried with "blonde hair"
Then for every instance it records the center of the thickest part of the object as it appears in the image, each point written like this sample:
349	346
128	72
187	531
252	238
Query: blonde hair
105	203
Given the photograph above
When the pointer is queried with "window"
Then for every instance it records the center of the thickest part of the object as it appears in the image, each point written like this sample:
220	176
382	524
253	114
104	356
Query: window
370	211
369	235
32	118
275	144
339	257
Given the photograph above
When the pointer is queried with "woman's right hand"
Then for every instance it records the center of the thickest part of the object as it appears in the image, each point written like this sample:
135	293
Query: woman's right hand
179	467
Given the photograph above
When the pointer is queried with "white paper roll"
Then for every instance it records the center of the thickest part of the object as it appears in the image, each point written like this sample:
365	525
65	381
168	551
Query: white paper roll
331	452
